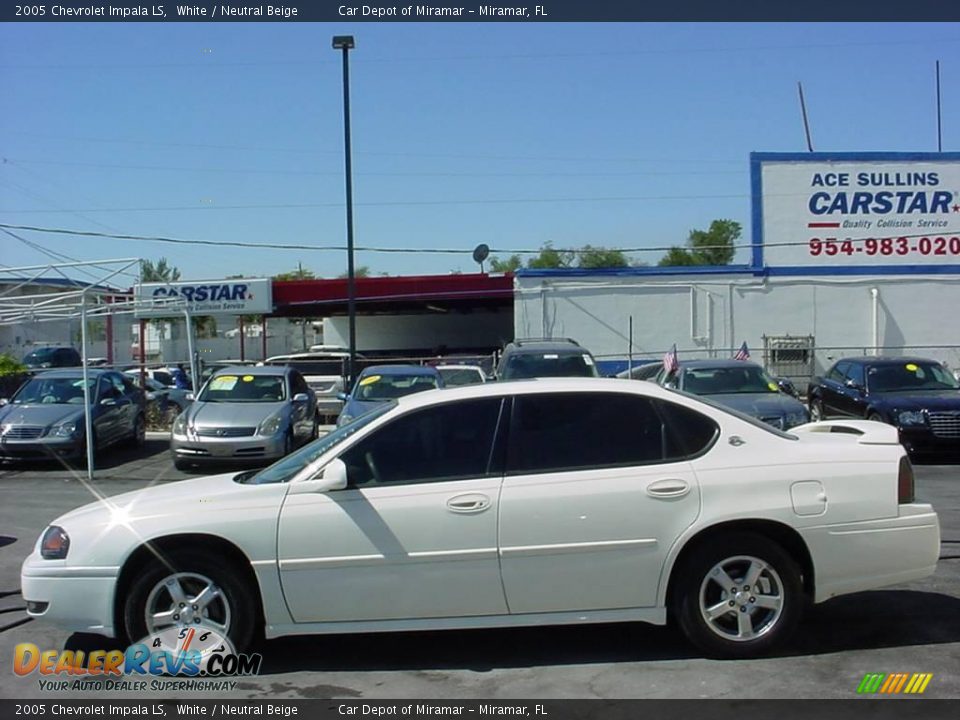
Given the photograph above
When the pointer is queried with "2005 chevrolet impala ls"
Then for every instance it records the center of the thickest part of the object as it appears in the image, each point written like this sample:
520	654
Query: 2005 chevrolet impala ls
517	503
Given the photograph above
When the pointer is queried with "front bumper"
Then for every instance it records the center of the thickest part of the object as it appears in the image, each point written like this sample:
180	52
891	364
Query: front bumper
922	440
77	599
43	448
198	449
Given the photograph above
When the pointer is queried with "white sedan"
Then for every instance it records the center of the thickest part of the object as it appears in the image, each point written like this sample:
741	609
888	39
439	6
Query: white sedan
505	504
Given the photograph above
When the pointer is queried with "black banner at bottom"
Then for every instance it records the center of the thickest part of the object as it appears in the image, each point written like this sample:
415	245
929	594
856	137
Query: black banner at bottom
853	709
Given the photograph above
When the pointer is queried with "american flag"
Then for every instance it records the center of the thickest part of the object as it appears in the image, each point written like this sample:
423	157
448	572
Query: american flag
670	362
743	353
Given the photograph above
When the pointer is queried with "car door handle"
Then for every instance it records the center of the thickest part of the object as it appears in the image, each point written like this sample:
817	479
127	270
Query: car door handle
668	488
469	503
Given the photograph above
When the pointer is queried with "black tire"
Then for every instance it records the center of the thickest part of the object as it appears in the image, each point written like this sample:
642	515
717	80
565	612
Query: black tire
181	464
816	410
876	417
234	606
756	622
139	437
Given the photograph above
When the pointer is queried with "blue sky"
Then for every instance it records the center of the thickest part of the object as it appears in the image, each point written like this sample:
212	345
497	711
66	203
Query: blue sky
513	135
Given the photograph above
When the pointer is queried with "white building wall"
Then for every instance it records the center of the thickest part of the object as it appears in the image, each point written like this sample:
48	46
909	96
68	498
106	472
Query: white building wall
712	315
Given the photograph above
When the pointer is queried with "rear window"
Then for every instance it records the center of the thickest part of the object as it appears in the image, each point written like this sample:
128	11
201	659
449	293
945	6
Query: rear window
548	364
334	366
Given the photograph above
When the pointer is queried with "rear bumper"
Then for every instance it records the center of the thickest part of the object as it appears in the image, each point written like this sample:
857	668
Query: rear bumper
865	555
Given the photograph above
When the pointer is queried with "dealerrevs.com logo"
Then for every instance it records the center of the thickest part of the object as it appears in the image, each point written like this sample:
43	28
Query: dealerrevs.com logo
189	658
894	683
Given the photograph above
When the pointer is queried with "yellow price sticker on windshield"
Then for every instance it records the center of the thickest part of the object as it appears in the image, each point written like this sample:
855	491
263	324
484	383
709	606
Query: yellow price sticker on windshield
248	378
224	382
911	367
773	387
370	380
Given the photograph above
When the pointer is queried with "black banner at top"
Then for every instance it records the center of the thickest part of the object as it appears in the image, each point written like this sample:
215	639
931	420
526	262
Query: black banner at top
464	11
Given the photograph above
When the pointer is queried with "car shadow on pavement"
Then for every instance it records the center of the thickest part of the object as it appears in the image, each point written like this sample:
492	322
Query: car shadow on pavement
894	618
107	458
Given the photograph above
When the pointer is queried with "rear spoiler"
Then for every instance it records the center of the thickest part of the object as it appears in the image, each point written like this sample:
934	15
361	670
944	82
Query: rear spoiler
870	432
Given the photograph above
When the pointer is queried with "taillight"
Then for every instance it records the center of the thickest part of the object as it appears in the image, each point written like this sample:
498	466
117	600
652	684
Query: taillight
905	492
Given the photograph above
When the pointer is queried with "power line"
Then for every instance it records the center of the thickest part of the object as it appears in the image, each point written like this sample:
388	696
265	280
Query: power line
338	174
396	203
425	251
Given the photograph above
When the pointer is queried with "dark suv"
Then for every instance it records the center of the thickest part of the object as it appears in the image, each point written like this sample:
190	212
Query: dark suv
52	357
561	357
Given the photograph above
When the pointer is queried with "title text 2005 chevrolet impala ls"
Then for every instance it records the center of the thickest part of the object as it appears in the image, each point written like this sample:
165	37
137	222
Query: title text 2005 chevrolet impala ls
505	504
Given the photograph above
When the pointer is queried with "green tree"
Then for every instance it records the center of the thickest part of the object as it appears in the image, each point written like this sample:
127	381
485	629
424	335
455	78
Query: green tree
550	257
298	274
359	272
593	258
714	246
161	271
511	264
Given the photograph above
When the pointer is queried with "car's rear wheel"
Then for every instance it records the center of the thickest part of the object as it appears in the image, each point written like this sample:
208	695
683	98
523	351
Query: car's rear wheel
738	596
816	410
876	417
187	590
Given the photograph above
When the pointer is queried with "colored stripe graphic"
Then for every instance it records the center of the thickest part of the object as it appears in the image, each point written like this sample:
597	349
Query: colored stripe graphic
894	683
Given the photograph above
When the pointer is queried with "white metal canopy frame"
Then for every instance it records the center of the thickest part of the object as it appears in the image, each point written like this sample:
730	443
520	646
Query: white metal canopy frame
84	300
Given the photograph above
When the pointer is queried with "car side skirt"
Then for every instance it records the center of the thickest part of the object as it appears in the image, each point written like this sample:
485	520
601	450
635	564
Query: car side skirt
653	616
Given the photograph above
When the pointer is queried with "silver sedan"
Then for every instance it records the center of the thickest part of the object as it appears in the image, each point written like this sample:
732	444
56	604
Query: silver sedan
245	414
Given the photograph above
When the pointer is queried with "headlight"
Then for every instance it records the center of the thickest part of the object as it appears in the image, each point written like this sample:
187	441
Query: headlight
911	417
55	543
343	419
271	426
794	419
66	429
180	424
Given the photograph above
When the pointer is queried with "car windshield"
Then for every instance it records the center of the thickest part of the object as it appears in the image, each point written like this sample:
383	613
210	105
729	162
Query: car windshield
53	391
460	376
534	365
725	380
288	467
243	388
910	377
42	355
375	387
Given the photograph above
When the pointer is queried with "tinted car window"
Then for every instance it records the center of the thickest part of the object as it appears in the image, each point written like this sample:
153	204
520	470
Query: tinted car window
689	433
839	372
548	364
572	431
163	377
444	442
855	373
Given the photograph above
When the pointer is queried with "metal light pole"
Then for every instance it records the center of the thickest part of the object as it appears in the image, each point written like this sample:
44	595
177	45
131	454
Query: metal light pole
346	44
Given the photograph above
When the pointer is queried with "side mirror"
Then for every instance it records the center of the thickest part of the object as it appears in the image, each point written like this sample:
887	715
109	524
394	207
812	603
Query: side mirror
190	397
4	401
333	477
854	386
108	402
786	386
342	396
301	398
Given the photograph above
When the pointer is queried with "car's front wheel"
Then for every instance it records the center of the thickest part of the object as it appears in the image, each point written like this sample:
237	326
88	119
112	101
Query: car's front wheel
738	596
816	410
187	590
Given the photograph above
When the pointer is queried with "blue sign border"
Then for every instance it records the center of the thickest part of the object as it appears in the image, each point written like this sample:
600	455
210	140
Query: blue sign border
757	159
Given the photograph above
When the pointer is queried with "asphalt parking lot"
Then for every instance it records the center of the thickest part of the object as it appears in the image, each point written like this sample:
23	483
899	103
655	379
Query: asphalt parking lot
909	628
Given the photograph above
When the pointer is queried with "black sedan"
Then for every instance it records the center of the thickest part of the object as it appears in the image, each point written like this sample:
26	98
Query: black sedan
920	396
